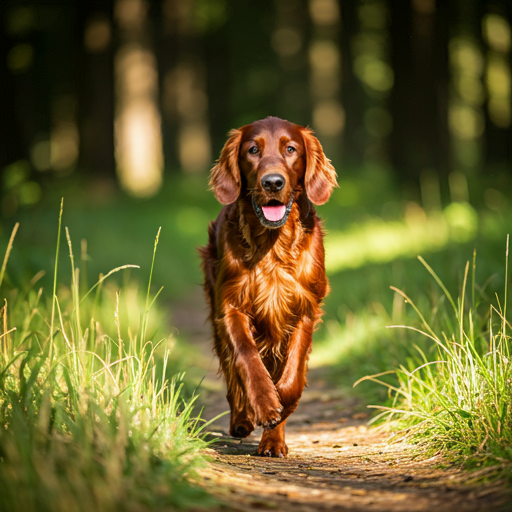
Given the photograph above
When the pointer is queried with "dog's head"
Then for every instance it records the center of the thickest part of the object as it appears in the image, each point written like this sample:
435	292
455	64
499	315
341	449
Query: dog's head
275	162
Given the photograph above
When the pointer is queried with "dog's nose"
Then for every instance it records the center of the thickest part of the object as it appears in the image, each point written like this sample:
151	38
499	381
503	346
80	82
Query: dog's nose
272	182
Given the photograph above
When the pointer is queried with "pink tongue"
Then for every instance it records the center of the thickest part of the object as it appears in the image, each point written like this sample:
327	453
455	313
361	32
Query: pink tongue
274	213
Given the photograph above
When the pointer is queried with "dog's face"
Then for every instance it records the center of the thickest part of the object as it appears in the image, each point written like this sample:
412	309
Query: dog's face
274	162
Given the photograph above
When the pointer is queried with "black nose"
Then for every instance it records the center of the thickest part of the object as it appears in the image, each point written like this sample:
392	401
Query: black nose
273	182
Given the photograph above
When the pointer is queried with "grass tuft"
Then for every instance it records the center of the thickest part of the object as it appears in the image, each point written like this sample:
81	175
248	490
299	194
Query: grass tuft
90	418
456	397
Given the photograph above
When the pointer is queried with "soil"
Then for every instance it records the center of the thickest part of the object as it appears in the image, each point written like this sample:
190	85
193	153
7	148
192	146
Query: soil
336	462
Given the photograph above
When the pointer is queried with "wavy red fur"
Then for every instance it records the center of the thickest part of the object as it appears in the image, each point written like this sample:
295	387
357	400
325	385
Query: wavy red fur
265	284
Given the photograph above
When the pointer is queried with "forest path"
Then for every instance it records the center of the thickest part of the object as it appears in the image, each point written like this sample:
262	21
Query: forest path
335	462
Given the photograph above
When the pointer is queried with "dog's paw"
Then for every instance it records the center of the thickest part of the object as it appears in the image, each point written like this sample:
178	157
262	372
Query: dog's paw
271	447
268	414
241	429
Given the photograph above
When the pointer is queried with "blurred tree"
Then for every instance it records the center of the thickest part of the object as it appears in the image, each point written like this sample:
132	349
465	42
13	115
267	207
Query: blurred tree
419	99
38	133
467	92
496	23
352	92
95	86
422	84
137	124
17	86
370	49
218	62
167	54
325	76
244	75
255	75
184	80
290	42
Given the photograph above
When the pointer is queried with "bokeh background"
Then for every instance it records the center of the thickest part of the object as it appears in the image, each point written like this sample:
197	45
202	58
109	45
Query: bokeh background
122	106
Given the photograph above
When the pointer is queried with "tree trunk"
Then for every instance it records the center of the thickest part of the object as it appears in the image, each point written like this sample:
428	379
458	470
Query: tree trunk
419	97
95	88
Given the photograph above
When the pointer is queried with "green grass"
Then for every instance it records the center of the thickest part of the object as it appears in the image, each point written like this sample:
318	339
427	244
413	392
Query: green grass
353	340
454	396
90	417
374	234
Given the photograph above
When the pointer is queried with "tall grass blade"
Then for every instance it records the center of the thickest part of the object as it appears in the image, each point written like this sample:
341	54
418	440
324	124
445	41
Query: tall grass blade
440	283
147	308
102	278
8	252
504	323
418	312
54	294
461	306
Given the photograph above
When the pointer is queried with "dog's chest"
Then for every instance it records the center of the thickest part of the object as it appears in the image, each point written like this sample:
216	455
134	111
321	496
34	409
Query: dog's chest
274	288
279	293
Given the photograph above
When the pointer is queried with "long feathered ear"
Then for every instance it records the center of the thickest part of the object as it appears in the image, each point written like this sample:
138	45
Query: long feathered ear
320	176
225	181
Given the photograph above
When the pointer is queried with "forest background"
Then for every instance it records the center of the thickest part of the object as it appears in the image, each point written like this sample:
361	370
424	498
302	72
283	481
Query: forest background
122	106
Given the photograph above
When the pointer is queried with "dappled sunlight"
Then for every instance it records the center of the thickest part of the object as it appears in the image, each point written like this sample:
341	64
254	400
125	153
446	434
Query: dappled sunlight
498	85
328	117
324	12
20	58
459	191
496	31
64	137
185	98
138	148
286	41
138	138
325	69
40	154
348	340
97	34
375	73
58	151
21	189
378	241
466	120
371	64
64	145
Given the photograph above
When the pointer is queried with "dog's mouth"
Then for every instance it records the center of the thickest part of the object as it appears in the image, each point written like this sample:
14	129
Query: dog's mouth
274	214
274	211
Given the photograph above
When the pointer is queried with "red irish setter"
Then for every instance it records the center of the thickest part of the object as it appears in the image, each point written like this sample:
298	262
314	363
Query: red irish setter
264	271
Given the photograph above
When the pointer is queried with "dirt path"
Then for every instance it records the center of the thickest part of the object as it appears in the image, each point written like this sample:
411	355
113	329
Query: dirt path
335	463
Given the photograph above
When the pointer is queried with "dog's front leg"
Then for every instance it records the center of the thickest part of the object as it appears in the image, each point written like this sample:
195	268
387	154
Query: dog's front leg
261	392
290	387
293	379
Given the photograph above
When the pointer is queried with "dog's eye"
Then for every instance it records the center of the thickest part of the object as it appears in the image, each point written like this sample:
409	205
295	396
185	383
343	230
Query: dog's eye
290	149
253	150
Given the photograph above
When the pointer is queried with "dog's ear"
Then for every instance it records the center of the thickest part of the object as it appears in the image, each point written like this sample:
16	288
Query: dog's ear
304	204
320	176
225	180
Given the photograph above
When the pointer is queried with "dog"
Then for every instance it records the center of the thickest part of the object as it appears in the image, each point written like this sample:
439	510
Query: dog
264	271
